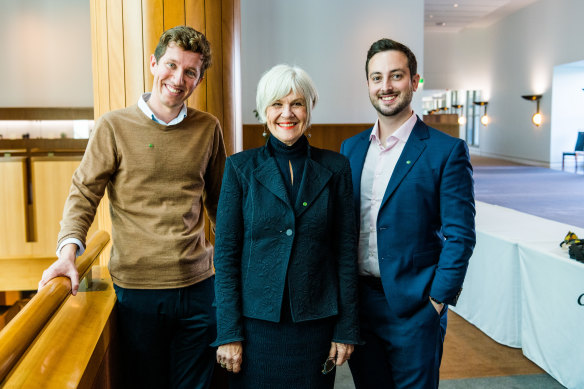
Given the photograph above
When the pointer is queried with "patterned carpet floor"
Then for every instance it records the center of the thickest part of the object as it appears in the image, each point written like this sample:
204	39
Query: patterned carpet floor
547	193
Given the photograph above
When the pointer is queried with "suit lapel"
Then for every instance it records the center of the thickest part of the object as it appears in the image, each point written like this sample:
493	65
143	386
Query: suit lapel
357	158
268	174
314	179
411	153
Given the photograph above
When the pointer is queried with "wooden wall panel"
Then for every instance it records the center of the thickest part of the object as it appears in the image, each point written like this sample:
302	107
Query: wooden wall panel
46	113
331	136
115	45
230	70
174	13
100	58
215	87
152	28
195	17
133	50
51	180
447	123
50	183
324	136
12	207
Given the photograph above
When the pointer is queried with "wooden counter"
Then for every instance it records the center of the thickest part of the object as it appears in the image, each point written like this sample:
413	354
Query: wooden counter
46	147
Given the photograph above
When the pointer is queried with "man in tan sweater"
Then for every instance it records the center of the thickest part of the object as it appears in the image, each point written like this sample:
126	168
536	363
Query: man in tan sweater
161	163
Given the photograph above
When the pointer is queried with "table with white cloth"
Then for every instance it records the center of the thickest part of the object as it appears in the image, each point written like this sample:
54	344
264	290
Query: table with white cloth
516	277
552	312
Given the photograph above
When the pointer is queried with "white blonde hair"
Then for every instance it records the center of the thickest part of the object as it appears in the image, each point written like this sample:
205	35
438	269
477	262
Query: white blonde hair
277	83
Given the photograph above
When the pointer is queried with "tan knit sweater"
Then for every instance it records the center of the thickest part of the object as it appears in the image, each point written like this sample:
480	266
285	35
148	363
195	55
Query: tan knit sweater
158	178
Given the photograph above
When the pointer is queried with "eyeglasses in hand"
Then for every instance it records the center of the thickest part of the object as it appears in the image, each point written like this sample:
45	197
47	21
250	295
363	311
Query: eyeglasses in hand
328	365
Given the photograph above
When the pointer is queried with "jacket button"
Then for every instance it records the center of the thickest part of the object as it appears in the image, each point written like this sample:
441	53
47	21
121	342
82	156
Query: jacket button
289	232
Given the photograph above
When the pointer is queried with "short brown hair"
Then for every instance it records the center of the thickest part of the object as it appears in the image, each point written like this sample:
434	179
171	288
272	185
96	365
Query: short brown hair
187	38
386	44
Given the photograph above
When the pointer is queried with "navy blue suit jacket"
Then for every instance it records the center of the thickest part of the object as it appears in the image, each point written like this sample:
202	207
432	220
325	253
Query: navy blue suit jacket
262	240
425	226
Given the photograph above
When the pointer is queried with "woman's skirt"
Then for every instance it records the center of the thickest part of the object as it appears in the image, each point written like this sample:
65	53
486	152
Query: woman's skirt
285	354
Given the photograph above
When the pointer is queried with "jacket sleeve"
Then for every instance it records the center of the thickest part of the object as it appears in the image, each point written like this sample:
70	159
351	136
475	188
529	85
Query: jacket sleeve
228	246
88	184
457	213
345	238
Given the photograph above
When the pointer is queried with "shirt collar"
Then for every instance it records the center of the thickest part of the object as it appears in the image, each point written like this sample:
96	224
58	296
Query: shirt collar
148	112
402	133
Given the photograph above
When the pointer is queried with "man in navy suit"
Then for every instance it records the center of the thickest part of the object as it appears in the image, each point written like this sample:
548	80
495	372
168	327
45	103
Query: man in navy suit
413	189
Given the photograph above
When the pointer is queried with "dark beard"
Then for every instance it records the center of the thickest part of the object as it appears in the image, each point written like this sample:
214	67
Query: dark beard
404	104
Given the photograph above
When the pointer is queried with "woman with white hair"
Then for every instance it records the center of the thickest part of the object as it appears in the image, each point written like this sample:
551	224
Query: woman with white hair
286	250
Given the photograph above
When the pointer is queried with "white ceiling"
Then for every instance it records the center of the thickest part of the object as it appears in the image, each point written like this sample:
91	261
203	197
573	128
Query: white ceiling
454	15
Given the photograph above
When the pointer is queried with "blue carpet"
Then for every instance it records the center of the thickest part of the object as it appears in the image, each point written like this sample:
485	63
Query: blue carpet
538	191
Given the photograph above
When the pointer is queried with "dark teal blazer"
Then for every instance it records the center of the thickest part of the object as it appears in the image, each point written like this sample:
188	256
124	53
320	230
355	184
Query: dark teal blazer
262	239
426	221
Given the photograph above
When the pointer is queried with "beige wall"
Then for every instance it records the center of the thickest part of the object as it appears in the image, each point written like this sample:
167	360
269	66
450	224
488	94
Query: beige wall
46	53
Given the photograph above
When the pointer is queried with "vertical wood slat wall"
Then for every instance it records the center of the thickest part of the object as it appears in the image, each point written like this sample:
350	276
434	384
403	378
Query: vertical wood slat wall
124	34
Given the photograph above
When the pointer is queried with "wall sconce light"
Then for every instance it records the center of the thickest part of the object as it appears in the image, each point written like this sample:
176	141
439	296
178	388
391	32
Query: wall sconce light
485	117
536	118
443	109
461	117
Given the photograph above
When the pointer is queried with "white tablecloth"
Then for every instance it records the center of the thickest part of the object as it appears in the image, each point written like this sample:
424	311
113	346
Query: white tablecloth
552	329
491	294
501	292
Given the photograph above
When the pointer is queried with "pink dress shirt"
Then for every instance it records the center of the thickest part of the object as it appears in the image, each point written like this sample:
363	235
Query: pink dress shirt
377	170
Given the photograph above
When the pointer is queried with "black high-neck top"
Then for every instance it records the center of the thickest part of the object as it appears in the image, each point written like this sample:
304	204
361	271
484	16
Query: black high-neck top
285	156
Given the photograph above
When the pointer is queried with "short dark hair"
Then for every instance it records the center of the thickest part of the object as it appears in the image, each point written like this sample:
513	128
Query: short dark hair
386	44
187	38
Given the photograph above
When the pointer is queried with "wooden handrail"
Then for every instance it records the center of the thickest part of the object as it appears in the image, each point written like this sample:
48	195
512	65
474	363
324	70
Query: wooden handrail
22	330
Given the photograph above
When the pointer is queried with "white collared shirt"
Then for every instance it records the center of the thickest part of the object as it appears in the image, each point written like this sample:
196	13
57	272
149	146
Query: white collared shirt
379	165
142	104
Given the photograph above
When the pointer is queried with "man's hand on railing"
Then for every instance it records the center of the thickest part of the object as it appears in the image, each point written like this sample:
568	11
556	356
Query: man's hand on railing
64	266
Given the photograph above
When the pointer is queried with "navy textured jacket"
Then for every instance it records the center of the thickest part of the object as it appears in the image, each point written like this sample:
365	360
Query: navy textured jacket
262	239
